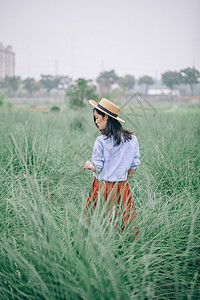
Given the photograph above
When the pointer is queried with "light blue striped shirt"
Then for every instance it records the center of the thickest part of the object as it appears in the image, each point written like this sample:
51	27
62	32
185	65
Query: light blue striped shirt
112	162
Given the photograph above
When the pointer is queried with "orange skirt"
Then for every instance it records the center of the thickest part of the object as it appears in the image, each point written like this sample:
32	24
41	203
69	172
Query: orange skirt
116	194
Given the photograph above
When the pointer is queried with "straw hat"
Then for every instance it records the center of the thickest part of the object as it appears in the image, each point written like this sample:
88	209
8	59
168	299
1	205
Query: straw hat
107	107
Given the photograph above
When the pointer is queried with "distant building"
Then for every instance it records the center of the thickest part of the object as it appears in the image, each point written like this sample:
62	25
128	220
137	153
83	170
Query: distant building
162	92
7	61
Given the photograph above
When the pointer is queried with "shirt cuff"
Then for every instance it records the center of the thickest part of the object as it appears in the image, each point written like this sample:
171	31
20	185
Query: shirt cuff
97	167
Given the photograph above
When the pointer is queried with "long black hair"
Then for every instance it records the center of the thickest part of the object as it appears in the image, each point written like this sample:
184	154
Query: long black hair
114	128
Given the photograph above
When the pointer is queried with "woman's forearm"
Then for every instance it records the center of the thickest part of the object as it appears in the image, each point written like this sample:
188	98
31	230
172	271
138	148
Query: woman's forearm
131	172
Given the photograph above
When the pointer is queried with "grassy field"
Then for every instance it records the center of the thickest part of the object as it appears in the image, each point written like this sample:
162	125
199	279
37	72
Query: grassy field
48	250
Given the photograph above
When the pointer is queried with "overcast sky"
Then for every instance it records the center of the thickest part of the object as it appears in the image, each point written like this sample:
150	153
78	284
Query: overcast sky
82	38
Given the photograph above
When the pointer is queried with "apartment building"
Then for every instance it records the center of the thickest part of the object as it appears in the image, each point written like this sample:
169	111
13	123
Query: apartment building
7	61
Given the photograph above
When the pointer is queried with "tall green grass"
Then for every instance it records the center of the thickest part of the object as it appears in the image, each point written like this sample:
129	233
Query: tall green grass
48	249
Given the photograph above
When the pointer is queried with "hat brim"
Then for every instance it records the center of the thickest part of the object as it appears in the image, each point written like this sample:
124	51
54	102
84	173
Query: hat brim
94	104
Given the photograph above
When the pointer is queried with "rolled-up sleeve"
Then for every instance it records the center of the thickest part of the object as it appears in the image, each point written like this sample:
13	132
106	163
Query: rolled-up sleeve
136	156
97	155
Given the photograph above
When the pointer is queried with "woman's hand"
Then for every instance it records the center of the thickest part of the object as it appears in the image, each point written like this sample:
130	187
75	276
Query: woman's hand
88	166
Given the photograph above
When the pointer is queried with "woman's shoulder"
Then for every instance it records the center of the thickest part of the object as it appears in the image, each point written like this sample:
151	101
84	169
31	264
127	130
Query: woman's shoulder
100	138
133	137
104	141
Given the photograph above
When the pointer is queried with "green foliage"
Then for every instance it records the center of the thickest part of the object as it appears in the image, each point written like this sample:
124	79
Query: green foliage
11	84
49	82
55	109
146	80
171	78
48	249
76	124
190	76
105	80
31	85
127	82
2	97
64	82
117	93
9	104
81	90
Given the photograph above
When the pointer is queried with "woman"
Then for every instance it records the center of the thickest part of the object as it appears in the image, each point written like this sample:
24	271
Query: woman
115	158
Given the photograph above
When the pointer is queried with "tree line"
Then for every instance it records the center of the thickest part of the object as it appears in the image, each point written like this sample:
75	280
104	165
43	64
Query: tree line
108	84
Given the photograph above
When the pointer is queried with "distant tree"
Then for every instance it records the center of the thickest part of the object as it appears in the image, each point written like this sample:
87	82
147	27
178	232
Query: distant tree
50	82
31	85
147	81
171	78
127	82
190	76
64	82
11	84
105	81
2	97
81	90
